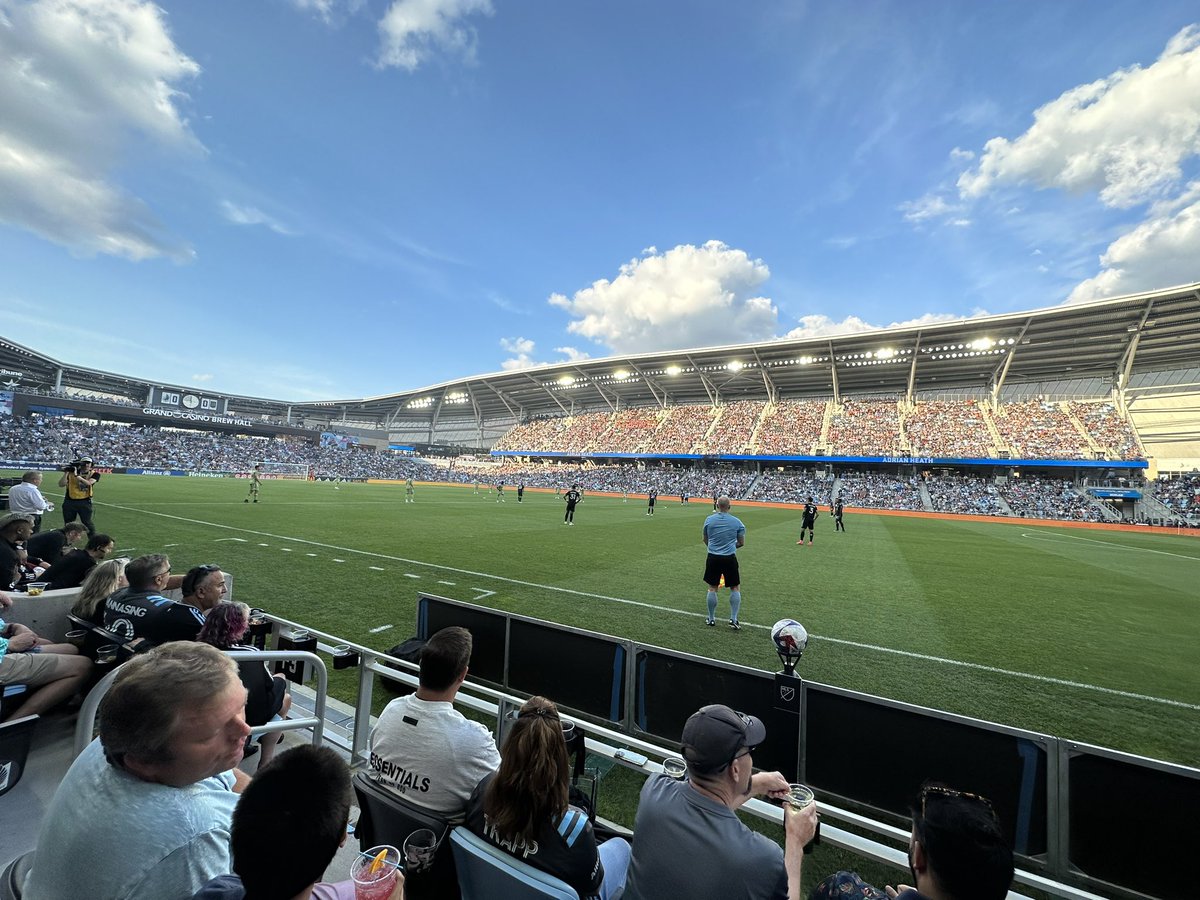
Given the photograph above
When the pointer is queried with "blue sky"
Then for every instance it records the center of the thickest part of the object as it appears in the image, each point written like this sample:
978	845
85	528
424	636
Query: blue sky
320	199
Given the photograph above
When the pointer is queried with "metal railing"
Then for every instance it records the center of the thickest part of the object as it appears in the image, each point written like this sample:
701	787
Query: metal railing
85	725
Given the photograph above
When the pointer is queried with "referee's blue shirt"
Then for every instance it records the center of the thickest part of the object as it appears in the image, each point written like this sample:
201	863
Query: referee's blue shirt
722	531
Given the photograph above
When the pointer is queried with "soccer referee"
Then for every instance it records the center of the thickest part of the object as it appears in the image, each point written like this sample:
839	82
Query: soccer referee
723	534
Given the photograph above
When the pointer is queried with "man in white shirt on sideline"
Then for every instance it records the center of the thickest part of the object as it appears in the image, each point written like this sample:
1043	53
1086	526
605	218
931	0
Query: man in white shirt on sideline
423	748
26	498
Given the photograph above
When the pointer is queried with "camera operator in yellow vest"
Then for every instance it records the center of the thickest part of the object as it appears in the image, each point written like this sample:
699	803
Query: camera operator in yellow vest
79	478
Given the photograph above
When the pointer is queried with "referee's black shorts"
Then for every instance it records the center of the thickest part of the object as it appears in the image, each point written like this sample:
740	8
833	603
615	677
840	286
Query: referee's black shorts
716	566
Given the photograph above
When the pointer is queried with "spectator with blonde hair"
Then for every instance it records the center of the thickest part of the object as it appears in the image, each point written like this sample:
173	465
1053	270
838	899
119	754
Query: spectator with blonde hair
101	583
524	808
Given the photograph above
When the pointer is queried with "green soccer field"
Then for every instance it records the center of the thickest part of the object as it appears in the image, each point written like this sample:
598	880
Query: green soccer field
1084	634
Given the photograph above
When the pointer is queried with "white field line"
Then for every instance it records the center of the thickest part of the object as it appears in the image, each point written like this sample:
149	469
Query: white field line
979	667
379	629
1112	545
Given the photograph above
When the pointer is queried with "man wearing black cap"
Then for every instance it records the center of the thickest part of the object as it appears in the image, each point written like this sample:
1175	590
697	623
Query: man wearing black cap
690	842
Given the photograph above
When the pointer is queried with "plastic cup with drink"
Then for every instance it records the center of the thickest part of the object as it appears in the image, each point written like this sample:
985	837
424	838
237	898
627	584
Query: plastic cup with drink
799	796
375	872
420	847
674	767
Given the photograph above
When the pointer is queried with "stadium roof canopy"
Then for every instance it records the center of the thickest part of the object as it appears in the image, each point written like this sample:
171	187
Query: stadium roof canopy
1112	339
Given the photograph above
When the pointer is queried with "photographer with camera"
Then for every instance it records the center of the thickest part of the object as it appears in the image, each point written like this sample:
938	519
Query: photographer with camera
79	478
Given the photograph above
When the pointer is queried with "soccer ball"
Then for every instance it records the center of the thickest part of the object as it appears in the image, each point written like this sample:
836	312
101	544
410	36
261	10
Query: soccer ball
790	637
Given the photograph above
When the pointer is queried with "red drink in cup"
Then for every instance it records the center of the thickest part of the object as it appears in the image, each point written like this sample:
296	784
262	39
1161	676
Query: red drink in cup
374	873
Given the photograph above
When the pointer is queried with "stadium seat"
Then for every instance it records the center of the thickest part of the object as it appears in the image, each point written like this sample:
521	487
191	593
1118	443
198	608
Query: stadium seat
386	818
15	738
488	873
13	877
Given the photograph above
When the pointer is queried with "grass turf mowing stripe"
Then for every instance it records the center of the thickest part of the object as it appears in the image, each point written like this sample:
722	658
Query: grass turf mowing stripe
1045	679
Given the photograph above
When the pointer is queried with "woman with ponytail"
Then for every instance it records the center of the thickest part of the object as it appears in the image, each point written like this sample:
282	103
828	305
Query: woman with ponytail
524	809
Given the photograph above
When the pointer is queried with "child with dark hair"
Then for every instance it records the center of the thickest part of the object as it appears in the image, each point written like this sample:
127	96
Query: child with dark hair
307	791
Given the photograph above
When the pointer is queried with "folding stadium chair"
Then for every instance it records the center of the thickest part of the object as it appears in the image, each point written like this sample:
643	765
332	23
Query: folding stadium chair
12	879
488	873
385	818
15	738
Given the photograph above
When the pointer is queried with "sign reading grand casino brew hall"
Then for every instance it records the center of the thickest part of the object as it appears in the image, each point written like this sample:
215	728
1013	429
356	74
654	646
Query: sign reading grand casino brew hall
174	398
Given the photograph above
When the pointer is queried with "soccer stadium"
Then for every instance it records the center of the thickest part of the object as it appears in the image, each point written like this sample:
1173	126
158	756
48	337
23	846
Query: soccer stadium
1007	599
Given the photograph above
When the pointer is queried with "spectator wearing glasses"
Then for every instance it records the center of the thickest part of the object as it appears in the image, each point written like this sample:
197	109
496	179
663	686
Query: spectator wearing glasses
204	587
957	851
140	611
690	842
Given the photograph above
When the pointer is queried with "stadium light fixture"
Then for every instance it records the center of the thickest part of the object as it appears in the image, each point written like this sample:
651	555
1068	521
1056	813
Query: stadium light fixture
673	370
620	374
735	365
566	380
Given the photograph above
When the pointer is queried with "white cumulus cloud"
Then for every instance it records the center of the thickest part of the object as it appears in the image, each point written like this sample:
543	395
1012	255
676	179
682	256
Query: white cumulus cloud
522	349
411	31
1163	251
686	296
78	78
815	326
1125	136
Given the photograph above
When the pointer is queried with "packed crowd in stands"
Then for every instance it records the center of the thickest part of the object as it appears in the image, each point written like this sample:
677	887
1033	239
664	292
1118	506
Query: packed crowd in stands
29	441
880	492
948	429
1037	429
866	428
792	486
683	428
1049	498
964	494
931	428
792	427
736	424
1111	432
632	429
1180	494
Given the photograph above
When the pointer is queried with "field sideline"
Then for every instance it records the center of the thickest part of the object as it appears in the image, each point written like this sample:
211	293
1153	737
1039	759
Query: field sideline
1085	635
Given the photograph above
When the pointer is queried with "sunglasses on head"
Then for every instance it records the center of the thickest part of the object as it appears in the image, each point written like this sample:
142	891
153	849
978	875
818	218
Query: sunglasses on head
937	792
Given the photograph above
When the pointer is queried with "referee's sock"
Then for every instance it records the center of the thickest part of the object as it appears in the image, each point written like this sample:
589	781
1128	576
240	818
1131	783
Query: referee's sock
735	604
712	606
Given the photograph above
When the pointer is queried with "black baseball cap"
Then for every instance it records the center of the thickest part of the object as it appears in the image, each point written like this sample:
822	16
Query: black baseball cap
714	734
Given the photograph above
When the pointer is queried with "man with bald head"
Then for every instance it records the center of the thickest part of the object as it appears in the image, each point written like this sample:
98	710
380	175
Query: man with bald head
723	534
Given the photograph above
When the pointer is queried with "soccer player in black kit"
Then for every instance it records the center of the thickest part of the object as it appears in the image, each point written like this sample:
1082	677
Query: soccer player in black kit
809	522
838	524
650	498
572	497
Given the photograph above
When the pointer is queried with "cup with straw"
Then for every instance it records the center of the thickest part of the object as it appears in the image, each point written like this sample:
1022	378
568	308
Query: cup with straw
375	872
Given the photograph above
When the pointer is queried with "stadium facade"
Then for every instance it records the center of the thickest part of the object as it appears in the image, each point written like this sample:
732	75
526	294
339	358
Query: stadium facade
1140	352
